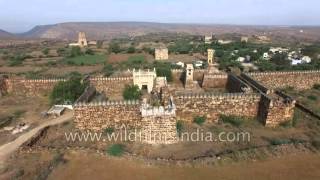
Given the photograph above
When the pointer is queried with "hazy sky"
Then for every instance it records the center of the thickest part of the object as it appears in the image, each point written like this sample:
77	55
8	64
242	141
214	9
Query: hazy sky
22	15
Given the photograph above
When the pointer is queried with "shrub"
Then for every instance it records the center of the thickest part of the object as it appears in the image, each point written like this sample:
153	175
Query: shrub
199	120
18	113
131	49
312	97
89	52
114	48
45	51
108	70
61	52
109	130
296	118
286	124
316	143
179	127
116	150
276	141
131	92
316	86
233	120
51	63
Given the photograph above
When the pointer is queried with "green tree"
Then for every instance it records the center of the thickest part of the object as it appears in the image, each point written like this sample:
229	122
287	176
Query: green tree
67	91
163	69
131	50
114	48
108	70
131	92
75	51
46	51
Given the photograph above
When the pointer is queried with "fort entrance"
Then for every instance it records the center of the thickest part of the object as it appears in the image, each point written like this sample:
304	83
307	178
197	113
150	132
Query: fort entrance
144	79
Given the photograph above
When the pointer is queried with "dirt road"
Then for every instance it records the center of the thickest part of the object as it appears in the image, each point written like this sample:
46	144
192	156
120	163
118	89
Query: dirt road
10	147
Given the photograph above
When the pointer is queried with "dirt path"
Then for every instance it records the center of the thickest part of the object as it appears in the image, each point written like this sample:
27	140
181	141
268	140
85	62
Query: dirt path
10	147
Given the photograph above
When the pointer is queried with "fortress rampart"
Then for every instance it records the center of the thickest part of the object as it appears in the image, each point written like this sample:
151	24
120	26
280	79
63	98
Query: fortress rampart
297	79
111	86
213	105
29	87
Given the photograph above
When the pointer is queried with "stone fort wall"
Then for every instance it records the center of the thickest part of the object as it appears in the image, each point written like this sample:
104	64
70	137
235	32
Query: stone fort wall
98	116
214	81
212	105
29	87
274	111
111	86
297	79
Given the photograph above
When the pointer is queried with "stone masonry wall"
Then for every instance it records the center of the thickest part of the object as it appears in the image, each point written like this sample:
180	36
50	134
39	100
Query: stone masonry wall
98	116
297	79
212	105
29	87
159	130
214	81
273	112
111	86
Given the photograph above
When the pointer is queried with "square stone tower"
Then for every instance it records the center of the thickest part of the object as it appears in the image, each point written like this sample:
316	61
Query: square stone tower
211	53
189	76
161	54
82	40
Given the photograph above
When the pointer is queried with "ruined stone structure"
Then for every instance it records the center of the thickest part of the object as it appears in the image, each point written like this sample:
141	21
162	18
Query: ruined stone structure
161	54
210	57
82	40
144	79
249	95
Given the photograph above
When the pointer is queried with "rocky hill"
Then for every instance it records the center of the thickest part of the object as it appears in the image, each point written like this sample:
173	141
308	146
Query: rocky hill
5	34
109	30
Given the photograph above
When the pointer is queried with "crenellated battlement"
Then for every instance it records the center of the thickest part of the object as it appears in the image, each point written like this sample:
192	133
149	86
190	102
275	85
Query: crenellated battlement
108	103
110	79
218	96
283	73
297	79
209	76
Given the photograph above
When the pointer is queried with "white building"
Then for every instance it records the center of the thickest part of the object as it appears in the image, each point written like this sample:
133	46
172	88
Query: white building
295	62
181	64
198	64
224	41
306	59
266	56
241	59
278	50
144	79
208	39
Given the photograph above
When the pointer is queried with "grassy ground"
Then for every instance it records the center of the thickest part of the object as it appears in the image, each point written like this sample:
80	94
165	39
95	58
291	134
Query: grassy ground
87	59
309	98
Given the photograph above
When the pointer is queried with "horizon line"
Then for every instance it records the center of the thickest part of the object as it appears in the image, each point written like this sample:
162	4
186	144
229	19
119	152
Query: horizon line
169	23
